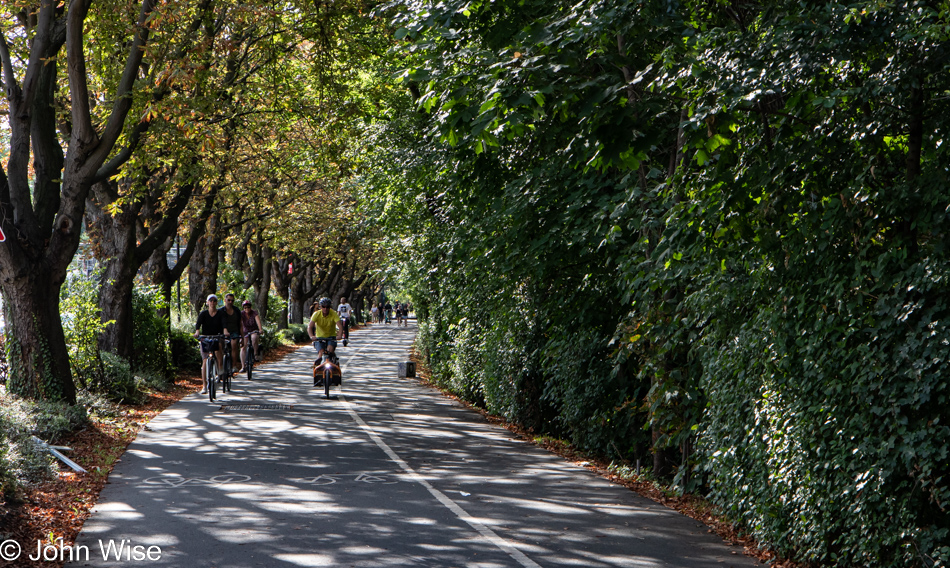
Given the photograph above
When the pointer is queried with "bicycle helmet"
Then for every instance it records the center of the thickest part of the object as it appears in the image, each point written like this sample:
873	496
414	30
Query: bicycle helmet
324	302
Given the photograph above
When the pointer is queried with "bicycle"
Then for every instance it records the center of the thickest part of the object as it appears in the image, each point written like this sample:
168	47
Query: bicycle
328	368
211	369
249	357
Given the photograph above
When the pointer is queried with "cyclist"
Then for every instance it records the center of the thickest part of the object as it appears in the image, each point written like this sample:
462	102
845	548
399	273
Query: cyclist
321	330
210	322
345	311
388	309
250	323
232	321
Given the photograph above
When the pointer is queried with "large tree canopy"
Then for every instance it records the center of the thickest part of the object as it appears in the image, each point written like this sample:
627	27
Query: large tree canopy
721	221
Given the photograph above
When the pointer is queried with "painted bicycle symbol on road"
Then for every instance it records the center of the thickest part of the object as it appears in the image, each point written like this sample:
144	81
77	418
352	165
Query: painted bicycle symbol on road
179	481
330	478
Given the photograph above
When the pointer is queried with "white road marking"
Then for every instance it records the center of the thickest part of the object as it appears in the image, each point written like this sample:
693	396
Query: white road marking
451	505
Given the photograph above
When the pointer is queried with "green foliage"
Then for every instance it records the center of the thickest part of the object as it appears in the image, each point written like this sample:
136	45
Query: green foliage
51	421
117	382
294	334
271	337
82	325
275	307
184	349
151	345
104	373
708	234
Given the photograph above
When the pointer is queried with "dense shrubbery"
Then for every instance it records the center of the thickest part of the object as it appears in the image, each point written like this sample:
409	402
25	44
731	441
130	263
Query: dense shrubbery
674	239
184	349
295	333
151	342
82	325
105	373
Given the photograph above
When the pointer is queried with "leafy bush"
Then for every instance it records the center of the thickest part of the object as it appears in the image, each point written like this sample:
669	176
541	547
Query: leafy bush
79	305
150	332
103	372
727	253
184	350
97	405
118	382
275	307
295	333
147	380
52	421
272	337
467	365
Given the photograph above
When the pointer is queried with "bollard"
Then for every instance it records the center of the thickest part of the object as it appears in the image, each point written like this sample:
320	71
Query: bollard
407	370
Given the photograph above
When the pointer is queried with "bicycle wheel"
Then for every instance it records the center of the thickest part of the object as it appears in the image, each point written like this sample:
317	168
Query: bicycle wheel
212	374
327	378
228	370
249	359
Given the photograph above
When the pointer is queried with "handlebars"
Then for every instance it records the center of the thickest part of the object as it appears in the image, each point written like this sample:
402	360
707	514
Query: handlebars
219	336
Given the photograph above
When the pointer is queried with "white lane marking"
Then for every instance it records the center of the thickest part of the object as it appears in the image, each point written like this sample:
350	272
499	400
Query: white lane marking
488	534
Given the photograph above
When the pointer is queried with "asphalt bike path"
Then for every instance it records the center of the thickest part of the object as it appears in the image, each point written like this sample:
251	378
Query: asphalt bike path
387	473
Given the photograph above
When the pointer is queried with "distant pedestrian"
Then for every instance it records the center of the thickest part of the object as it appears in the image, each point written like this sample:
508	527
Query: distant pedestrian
375	312
345	310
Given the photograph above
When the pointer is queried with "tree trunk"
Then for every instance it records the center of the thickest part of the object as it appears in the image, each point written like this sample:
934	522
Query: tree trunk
36	345
279	272
115	237
42	201
262	288
203	268
160	275
282	317
301	291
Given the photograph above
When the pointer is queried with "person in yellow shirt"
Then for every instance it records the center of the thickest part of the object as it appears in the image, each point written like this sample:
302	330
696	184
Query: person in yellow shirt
321	329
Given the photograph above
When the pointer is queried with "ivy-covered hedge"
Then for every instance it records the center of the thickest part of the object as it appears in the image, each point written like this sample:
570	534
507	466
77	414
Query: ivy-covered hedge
706	237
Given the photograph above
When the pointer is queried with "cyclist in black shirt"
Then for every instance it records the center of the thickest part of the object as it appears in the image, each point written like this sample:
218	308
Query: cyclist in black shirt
210	322
232	321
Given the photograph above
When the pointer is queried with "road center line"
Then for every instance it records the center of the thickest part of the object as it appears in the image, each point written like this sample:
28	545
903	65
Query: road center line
488	534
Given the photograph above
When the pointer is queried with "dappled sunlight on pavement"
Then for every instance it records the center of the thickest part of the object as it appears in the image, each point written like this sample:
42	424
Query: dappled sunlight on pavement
385	473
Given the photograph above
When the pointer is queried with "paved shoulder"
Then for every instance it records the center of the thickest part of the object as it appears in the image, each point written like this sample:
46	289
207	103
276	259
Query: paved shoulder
385	473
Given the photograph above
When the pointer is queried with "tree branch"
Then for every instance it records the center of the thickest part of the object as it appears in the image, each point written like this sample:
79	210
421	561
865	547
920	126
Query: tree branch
83	131
168	225
123	99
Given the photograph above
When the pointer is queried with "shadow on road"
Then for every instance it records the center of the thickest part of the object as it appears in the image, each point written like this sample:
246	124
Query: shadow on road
389	474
